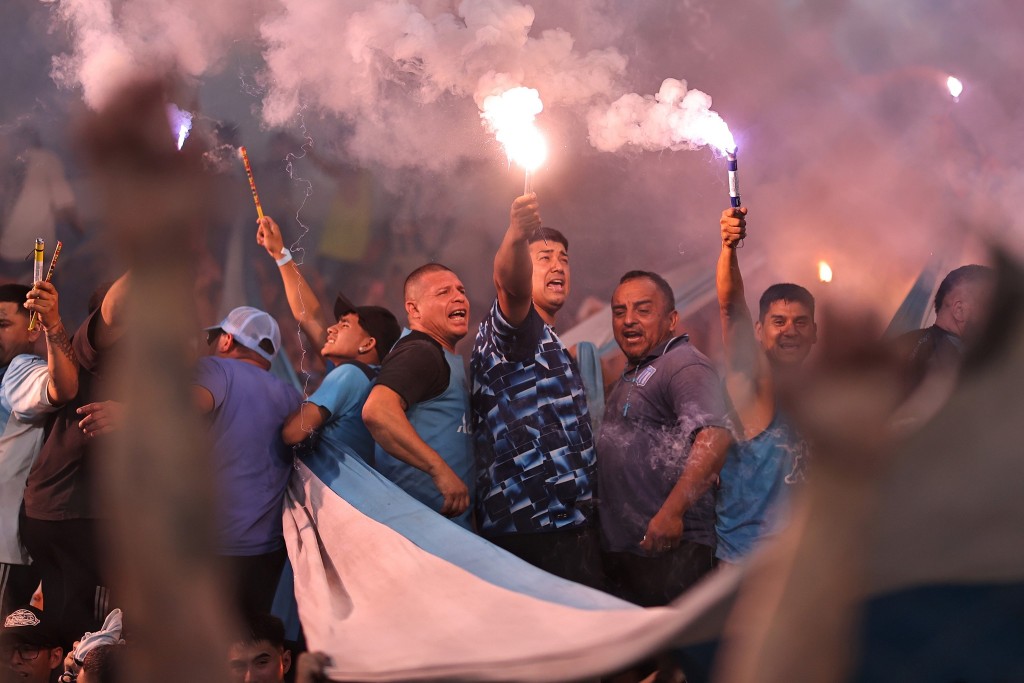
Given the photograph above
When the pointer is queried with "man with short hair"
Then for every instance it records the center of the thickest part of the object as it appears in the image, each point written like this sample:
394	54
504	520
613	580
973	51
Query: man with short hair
103	664
355	343
664	437
769	454
534	438
260	655
418	410
29	646
31	388
961	304
247	406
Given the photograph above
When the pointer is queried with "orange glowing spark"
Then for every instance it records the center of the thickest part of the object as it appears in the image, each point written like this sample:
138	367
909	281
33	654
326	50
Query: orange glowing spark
824	272
955	86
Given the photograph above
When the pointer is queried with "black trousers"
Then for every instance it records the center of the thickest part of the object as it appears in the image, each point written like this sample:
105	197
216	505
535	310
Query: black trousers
17	584
656	581
254	580
67	556
573	554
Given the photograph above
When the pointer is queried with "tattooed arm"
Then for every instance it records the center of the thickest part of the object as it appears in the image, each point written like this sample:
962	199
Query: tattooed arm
60	356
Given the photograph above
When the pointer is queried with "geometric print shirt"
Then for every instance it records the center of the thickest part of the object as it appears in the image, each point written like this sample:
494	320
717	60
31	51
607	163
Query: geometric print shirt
535	457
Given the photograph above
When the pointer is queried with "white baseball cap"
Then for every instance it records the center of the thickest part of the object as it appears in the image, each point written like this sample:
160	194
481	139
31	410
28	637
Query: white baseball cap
252	328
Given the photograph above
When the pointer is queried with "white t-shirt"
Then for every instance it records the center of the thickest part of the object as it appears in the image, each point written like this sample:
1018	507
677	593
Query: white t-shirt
23	409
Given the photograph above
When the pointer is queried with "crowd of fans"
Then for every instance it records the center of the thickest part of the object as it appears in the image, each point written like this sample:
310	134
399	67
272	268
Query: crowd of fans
690	468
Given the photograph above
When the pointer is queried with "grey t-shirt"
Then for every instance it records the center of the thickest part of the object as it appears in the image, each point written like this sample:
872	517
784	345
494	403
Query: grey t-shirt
652	415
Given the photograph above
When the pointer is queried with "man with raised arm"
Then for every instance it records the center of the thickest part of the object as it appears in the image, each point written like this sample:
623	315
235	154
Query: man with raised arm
356	343
769	454
31	389
534	441
418	410
664	438
62	515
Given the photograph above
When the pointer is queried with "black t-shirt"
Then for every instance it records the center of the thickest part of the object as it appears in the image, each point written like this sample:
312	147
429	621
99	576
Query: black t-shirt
60	482
415	369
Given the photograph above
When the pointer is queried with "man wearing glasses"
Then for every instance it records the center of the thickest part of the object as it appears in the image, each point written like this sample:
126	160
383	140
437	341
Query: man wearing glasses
29	647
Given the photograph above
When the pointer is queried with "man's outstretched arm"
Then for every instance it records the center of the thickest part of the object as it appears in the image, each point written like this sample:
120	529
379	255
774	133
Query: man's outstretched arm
303	303
513	268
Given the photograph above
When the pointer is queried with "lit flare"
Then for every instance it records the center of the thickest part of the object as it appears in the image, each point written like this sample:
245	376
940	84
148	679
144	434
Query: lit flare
510	116
824	272
181	123
955	86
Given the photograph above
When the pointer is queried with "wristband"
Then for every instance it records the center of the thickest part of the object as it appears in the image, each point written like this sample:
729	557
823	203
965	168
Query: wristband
286	256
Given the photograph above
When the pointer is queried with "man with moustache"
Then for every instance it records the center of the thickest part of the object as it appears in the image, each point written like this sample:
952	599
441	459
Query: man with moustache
769	454
664	438
535	446
418	410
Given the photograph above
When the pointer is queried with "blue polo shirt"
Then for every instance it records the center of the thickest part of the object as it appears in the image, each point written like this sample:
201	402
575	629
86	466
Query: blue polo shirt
652	416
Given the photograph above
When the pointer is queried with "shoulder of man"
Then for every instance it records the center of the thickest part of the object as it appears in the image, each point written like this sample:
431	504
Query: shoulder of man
682	354
24	387
516	342
414	344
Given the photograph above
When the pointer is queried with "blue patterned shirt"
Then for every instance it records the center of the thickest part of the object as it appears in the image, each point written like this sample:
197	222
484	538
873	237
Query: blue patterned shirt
534	445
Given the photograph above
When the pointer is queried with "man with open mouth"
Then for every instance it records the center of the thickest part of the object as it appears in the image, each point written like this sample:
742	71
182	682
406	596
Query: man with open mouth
418	410
534	438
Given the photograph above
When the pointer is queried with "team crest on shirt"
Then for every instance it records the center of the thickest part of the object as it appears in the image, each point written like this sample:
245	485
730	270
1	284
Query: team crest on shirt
644	377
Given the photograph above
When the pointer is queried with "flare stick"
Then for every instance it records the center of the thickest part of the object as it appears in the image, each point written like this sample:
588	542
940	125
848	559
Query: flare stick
734	179
252	183
49	276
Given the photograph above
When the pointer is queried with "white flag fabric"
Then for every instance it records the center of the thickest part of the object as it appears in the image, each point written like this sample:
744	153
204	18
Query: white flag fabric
391	590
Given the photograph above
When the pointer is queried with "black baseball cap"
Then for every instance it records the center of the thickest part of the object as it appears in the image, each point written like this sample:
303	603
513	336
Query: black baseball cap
379	322
28	626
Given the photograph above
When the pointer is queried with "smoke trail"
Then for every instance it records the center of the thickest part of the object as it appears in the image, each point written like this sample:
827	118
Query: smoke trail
115	43
675	118
397	69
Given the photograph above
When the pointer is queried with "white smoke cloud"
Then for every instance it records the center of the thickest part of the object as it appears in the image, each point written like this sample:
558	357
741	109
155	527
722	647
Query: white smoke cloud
397	67
116	42
675	118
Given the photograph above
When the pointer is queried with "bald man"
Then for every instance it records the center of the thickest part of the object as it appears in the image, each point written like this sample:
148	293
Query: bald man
418	410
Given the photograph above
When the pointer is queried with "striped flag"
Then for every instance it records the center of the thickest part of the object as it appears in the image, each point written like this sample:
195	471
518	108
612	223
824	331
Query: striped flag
391	590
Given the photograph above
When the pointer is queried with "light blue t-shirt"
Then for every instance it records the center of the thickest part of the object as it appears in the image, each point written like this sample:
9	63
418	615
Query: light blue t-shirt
754	482
442	421
342	394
